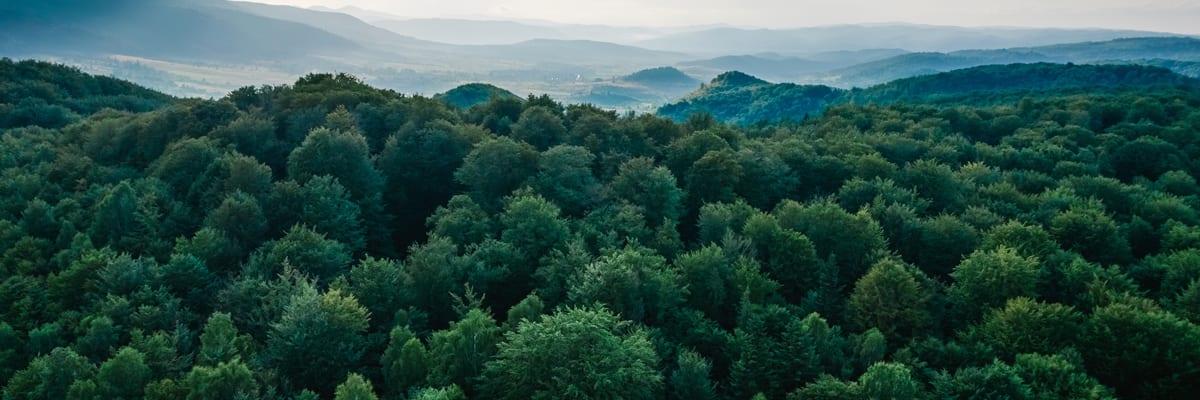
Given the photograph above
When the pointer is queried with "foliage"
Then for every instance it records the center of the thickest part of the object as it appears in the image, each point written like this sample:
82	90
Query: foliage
991	238
575	353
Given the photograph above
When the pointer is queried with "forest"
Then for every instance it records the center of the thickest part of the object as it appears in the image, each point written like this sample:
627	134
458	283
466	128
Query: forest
329	240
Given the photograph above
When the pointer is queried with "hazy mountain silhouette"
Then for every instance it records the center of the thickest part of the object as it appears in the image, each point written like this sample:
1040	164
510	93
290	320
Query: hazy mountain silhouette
856	37
202	30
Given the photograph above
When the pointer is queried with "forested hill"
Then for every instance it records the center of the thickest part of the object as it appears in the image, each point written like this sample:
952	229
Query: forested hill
1003	82
1137	50
50	95
473	94
739	98
662	78
330	240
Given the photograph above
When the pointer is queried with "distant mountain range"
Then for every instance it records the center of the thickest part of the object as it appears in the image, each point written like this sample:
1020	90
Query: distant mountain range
743	99
922	38
213	31
206	42
778	67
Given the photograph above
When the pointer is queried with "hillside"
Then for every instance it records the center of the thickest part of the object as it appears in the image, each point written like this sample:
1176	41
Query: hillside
343	25
739	98
1185	68
1119	50
914	64
999	82
198	30
492	32
51	95
661	77
472	94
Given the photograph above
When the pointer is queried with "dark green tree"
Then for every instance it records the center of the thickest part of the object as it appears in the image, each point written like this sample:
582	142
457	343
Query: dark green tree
457	354
540	127
355	388
49	376
124	376
634	282
654	189
987	279
574	353
220	341
690	380
565	177
1028	326
894	298
495	168
405	363
225	380
303	249
318	339
1056	377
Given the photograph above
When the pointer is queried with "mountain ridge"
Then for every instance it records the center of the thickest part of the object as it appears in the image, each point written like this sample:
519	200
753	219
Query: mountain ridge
739	98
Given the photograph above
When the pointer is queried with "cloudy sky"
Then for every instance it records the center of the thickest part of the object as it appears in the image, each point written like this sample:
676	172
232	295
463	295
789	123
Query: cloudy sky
1182	16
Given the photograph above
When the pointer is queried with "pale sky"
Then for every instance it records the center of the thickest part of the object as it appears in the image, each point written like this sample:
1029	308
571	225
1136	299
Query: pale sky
1181	16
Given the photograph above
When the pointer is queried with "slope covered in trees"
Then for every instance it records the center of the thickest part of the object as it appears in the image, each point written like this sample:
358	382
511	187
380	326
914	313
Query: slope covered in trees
742	99
1140	50
52	96
662	79
473	94
1004	82
326	239
739	98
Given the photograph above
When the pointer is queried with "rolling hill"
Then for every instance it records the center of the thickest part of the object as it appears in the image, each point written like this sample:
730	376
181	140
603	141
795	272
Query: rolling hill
991	83
743	99
52	95
1113	51
914	64
739	98
340	24
665	79
473	94
491	32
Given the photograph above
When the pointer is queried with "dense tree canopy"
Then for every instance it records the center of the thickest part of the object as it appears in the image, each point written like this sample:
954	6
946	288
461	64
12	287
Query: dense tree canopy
328	240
